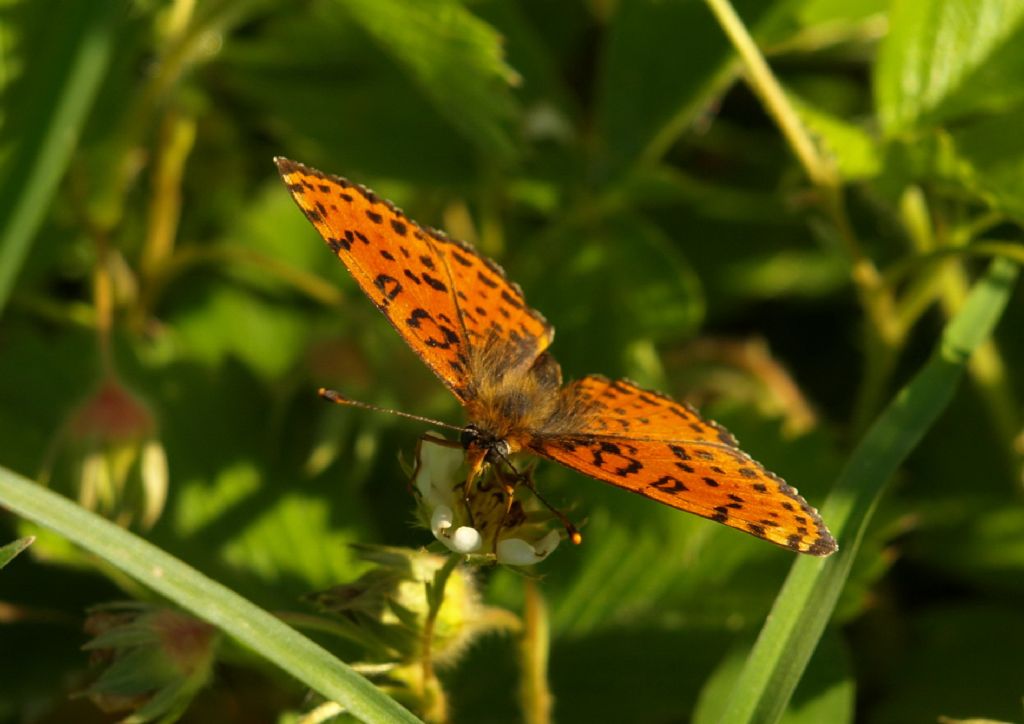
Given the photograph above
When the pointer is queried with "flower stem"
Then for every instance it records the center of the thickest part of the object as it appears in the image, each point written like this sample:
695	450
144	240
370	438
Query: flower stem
534	694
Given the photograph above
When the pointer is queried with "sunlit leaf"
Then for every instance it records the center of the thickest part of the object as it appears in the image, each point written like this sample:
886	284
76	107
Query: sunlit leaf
947	58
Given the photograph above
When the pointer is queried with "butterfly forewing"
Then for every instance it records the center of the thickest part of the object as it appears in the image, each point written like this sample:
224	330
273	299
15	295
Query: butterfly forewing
491	306
440	294
394	262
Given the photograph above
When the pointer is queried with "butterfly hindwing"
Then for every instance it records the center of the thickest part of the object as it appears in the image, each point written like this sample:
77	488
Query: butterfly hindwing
649	444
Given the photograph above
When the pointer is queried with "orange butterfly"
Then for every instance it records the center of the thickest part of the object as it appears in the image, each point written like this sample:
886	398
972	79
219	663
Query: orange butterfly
472	327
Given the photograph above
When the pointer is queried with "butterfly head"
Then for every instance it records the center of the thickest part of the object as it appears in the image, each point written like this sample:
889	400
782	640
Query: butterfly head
490	447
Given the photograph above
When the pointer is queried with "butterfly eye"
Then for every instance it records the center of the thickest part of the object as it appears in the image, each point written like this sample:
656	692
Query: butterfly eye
470	435
498	451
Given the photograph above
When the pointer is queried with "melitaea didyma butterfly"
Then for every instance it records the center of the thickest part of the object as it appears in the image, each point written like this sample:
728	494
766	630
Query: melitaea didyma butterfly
472	327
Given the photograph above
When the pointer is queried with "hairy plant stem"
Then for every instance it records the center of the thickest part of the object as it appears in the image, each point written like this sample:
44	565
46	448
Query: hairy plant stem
435	704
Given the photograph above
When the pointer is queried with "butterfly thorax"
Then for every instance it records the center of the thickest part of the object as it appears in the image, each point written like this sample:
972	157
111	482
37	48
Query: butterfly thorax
509	409
515	404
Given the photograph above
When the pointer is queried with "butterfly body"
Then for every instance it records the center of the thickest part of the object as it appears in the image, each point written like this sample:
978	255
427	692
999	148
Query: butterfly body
472	327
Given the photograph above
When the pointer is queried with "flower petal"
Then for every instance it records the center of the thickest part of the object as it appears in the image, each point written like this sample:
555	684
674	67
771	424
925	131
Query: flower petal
466	540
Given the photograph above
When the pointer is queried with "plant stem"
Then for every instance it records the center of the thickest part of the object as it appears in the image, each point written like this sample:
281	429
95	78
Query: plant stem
535	696
103	300
435	703
767	87
883	332
177	133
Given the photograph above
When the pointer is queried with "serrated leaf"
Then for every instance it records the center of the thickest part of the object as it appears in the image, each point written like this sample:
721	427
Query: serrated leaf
607	303
856	152
283	72
454	56
948	58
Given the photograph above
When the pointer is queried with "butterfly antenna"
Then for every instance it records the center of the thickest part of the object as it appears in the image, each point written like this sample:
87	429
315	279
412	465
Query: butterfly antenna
339	399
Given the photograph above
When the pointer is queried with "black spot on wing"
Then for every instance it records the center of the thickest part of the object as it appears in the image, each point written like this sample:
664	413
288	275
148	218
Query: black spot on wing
390	286
433	283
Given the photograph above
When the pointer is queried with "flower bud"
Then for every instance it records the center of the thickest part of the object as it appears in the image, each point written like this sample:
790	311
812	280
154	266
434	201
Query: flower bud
156	659
387	607
111	455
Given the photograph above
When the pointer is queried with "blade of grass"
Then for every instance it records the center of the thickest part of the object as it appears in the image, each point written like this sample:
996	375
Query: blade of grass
53	100
12	549
207	599
805	604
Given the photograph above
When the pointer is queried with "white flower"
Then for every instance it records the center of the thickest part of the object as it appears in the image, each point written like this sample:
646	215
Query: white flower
518	552
461	539
519	539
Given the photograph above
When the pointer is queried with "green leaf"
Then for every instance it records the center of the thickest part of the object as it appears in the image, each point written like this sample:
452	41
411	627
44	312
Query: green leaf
976	539
990	152
454	56
806	601
948	58
964	663
12	549
207	599
856	152
825	694
664	62
814	12
48	104
607	303
353	129
660	59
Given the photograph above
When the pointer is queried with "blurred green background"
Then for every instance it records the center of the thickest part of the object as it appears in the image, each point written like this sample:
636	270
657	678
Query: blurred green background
164	300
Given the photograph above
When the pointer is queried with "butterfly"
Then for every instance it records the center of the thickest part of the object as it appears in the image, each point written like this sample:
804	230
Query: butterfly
472	327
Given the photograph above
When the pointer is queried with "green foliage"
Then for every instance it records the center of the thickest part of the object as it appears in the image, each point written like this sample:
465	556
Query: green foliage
12	549
638	177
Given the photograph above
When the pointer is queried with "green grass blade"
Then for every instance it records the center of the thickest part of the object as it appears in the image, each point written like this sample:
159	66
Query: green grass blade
12	549
52	102
207	599
805	604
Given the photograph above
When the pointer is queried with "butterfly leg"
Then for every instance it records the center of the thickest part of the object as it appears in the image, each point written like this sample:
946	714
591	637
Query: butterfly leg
475	462
508	485
526	478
